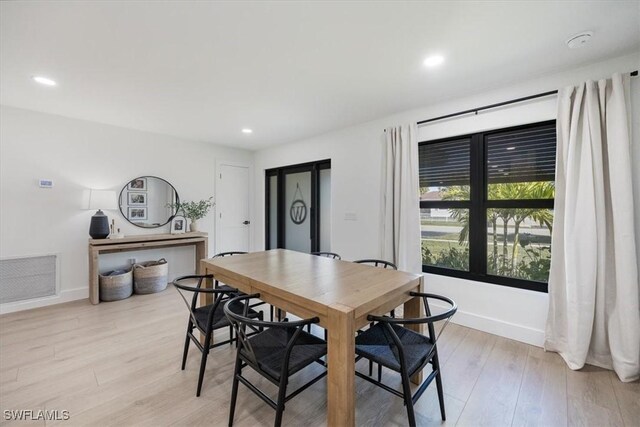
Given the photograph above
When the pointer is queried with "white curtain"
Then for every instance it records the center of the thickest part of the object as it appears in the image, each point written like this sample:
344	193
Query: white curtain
400	220
594	308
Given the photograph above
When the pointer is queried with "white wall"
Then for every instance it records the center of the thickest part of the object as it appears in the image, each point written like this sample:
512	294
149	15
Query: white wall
77	155
356	157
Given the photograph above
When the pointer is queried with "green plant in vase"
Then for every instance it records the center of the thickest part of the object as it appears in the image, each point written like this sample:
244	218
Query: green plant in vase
194	210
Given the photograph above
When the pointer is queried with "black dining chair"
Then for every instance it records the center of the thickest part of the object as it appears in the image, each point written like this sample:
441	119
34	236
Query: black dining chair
206	319
276	351
223	286
331	255
216	283
377	263
403	350
381	264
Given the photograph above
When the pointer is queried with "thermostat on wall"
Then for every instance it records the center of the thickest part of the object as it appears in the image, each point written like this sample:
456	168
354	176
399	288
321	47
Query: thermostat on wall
46	183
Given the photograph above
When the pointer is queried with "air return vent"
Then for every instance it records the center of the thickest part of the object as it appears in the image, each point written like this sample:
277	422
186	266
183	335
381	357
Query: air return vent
27	278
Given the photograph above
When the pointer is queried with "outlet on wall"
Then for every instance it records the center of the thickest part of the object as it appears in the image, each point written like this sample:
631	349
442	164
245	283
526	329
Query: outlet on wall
132	261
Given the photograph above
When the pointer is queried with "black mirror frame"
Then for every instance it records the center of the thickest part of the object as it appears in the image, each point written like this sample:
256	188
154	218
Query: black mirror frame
148	176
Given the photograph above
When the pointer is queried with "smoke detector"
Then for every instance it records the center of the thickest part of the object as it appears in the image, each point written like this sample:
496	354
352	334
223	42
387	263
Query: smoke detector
579	39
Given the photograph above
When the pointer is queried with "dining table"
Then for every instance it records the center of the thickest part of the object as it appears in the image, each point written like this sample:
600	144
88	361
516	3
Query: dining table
339	293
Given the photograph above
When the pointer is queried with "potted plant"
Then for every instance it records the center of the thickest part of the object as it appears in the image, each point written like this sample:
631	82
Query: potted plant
194	210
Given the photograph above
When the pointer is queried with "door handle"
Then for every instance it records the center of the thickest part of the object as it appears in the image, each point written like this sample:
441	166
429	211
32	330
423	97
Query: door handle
246	222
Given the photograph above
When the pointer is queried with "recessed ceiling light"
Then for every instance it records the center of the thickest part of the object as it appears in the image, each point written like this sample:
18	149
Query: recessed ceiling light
44	81
247	130
511	148
433	60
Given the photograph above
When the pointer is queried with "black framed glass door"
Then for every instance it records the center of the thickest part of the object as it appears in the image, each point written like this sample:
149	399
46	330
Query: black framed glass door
298	207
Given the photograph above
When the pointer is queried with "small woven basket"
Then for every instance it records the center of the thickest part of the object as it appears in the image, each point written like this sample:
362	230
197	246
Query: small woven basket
150	277
116	285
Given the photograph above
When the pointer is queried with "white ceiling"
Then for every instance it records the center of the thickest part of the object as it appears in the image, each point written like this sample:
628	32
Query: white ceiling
204	70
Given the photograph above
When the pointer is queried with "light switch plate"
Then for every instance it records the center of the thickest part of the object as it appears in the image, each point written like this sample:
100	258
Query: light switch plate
46	183
350	216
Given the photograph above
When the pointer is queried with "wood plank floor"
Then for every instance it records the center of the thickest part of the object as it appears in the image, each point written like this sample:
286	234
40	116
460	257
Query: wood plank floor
119	364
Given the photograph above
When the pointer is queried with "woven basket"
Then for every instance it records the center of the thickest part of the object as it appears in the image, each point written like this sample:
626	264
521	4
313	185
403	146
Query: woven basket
150	277
116	285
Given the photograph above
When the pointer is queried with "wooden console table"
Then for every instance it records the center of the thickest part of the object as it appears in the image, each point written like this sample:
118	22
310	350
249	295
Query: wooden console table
141	242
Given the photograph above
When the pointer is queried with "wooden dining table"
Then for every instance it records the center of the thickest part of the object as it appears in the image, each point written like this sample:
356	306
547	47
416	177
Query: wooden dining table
340	293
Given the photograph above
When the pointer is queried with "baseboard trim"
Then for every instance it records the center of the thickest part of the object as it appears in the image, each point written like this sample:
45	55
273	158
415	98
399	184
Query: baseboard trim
497	327
64	296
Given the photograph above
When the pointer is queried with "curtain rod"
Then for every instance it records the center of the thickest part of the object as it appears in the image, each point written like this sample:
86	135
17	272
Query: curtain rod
499	104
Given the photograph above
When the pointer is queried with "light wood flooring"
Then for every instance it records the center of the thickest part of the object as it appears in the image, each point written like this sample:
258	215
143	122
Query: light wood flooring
119	364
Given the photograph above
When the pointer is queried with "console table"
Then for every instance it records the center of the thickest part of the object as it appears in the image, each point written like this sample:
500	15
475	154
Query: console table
141	242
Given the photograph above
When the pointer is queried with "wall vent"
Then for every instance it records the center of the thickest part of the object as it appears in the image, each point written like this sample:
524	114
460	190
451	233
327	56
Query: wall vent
27	278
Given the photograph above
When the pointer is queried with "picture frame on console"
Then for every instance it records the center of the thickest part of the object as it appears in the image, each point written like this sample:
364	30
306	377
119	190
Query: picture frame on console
178	225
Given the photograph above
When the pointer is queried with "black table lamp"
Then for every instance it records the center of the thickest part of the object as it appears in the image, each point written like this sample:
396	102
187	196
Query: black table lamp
101	199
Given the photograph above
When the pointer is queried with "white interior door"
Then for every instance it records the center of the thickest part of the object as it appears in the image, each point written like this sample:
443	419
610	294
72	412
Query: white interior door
232	208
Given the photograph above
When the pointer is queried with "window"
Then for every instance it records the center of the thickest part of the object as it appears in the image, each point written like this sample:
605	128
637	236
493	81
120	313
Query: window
486	205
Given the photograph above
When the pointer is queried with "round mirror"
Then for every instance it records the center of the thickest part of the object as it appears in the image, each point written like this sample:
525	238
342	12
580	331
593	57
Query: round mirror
144	201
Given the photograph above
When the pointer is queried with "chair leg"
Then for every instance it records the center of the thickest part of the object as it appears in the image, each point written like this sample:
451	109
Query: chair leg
282	392
186	346
203	361
234	389
379	373
436	366
231	335
370	368
271	312
406	391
